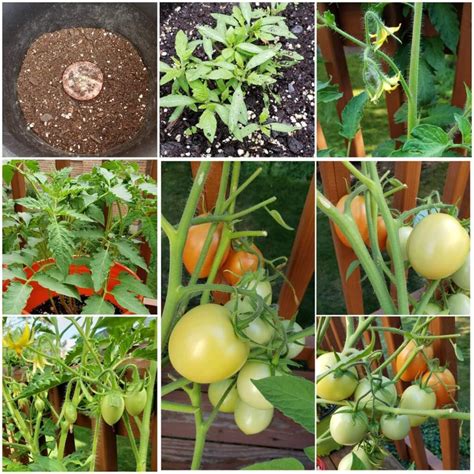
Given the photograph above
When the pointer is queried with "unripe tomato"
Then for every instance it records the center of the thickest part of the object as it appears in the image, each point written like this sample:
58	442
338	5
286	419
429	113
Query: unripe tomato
432	309
246	389
346	463
238	263
263	288
403	235
459	304
39	404
395	427
462	277
383	396
135	401
334	387
294	348
251	420
111	407
203	346
443	385
70	412
416	398
359	216
438	246
417	365
194	244
220	297
348	427
216	391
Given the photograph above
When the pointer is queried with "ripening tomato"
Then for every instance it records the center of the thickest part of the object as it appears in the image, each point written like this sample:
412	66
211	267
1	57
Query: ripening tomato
365	393
416	398
220	297
381	233
294	348
359	216
438	246
334	386
417	365
395	427
216	391
240	262
403	235
194	244
247	390
348	427
251	420
459	304
203	346
462	277
443	385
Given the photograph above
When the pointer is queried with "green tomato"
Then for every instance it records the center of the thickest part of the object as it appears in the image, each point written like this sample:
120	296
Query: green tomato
39	404
347	462
348	427
395	427
263	289
246	389
462	277
383	396
111	407
135	401
70	412
203	346
335	386
251	420
432	309
459	304
216	391
416	398
294	348
403	235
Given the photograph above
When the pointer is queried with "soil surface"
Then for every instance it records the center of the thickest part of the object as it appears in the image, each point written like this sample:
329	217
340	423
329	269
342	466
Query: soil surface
296	89
92	127
61	304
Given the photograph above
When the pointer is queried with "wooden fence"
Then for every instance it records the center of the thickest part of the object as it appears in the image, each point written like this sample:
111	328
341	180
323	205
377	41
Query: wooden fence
335	178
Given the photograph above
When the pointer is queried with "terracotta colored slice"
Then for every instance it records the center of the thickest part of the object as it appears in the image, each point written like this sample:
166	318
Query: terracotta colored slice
83	80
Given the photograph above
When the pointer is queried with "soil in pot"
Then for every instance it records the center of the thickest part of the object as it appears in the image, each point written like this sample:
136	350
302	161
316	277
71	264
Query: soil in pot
64	305
88	110
296	89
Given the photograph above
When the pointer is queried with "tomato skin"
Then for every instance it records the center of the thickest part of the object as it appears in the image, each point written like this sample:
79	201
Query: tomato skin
462	277
246	389
404	233
417	365
346	463
239	262
359	216
111	407
263	288
135	401
220	297
432	309
331	387
416	398
251	420
459	304
203	346
381	233
193	247
395	427
438	246
70	412
216	391
443	385
365	397
348	427
294	348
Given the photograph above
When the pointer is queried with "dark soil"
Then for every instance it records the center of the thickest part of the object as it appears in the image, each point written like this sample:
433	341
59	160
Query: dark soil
296	89
93	126
60	308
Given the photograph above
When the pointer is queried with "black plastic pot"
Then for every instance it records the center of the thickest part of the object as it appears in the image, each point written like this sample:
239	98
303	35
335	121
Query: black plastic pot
24	22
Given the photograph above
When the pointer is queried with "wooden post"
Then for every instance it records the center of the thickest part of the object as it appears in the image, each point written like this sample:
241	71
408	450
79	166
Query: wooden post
211	188
106	459
457	179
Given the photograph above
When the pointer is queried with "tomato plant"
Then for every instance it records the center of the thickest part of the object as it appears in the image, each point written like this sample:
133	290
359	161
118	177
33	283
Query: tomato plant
462	277
217	390
294	348
403	235
459	304
135	401
417	366
381	391
395	427
416	398
248	392
240	262
358	214
111	407
338	385
348	427
443	384
251	420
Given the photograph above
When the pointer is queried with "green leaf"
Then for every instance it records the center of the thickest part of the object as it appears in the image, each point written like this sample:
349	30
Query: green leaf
149	188
208	124
176	100
128	300
54	285
95	304
279	29
199	72
95	213
170	75
13	258
236	107
227	19
281	464
352	115
131	252
181	44
282	127
433	53
260	59
327	92
279	219
465	128
9	273
60	244
220	74
77	215
246	10
427	140
121	192
29	203
384	149
441	115
426	83
81	280
46	464
134	285
250	48
16	297
211	33
100	266
207	46
444	18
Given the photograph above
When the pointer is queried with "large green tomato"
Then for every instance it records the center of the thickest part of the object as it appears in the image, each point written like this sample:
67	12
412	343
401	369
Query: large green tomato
432	308
438	246
135	401
216	391
258	330
462	277
346	463
246	389
459	304
348	427
251	420
111	407
395	427
383	396
334	387
294	348
203	346
403	235
416	398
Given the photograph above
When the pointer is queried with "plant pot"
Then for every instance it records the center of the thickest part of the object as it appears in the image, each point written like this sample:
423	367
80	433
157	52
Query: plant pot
40	295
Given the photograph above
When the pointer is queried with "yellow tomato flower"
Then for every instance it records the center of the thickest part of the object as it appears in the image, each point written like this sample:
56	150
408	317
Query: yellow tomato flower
19	344
39	363
391	83
382	34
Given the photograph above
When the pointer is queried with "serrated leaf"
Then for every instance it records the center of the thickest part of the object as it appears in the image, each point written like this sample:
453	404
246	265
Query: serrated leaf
82	280
13	258
149	230
52	284
260	58
131	252
96	305
208	124
16	297
433	53
76	215
352	115
426	83
149	188
121	192
465	128
95	213
441	115
427	140
128	300
134	285
9	273
444	18
60	244
327	92
236	107
100	266
29	203
176	100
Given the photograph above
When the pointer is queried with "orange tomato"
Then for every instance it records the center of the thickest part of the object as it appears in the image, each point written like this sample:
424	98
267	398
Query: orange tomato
193	247
381	233
417	365
220	297
240	262
359	216
443	385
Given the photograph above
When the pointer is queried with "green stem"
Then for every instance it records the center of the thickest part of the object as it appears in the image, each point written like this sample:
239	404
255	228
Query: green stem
95	442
